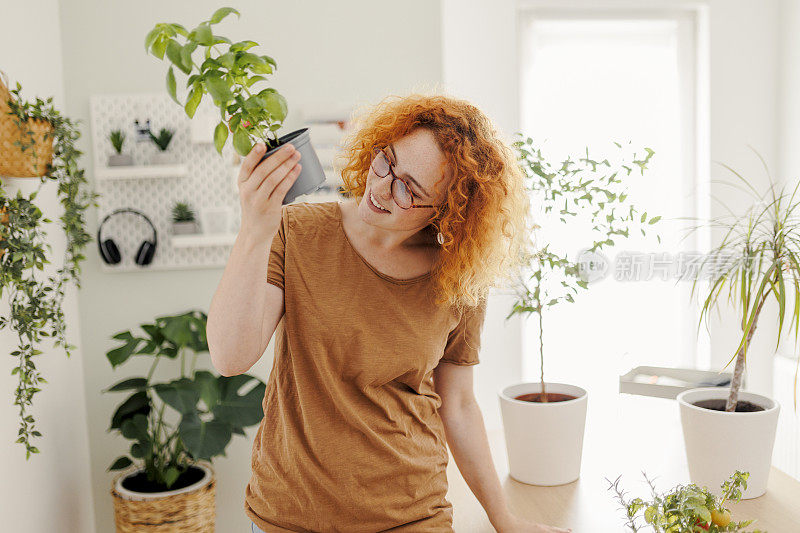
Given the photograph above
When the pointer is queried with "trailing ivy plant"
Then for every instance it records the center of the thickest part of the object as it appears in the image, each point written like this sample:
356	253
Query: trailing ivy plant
209	409
566	189
684	508
35	310
227	75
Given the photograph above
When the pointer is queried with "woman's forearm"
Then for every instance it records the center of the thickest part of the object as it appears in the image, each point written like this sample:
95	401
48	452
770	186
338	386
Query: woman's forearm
466	436
238	307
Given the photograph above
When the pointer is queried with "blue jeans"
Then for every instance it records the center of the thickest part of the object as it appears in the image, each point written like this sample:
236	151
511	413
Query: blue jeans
256	529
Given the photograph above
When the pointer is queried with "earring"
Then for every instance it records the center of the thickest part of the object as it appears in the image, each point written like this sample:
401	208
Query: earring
440	238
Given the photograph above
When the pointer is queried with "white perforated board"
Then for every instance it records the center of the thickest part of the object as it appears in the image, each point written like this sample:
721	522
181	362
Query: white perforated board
209	181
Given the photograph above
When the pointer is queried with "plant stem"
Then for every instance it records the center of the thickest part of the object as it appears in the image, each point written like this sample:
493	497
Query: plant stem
738	372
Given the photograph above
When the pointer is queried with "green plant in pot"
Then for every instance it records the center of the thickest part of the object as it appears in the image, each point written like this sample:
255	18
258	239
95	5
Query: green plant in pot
229	73
757	260
162	140
35	299
118	159
684	508
183	219
578	192
176	426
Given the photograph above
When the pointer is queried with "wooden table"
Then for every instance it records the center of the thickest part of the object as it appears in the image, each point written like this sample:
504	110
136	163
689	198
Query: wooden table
625	434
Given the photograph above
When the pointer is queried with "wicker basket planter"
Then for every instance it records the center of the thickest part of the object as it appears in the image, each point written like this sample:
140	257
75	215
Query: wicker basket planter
190	509
34	160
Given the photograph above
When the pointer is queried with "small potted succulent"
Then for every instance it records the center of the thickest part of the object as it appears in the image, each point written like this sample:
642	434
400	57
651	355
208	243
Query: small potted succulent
175	428
684	508
183	219
544	422
229	76
162	140
118	159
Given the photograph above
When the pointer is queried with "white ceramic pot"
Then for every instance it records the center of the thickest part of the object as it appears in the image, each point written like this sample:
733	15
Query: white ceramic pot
544	440
120	160
185	228
145	496
718	443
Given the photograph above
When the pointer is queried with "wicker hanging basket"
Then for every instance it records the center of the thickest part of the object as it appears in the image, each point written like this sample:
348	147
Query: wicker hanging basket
189	510
33	161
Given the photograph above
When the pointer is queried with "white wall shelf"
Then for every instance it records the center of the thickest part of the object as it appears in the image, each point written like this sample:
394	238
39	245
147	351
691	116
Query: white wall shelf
202	239
141	171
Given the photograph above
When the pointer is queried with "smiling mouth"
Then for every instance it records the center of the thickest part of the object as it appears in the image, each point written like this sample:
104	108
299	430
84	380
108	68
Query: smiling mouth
370	199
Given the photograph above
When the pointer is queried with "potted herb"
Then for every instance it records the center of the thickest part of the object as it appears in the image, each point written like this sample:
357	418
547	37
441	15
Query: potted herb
183	219
757	260
684	508
168	483
544	422
117	138
161	157
35	300
228	73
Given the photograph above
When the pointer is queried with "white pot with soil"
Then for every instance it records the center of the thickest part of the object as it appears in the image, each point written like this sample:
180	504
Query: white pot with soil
544	440
719	442
142	506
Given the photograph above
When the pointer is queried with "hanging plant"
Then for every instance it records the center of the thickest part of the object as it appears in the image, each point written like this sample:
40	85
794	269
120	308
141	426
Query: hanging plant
35	309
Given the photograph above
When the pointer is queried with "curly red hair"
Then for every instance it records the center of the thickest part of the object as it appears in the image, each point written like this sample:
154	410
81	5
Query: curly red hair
484	219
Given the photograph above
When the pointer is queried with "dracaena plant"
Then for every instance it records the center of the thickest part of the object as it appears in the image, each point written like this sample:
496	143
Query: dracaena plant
228	73
173	424
758	259
564	190
684	508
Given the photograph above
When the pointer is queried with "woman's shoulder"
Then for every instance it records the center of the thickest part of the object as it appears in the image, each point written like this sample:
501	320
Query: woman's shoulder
311	217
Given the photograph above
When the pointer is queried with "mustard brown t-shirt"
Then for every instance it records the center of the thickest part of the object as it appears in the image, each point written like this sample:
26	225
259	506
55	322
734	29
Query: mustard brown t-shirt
351	439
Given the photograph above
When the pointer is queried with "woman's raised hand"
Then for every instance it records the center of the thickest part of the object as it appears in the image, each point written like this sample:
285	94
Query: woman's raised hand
263	186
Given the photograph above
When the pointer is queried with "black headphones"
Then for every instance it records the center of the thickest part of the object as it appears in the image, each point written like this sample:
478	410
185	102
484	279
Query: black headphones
109	250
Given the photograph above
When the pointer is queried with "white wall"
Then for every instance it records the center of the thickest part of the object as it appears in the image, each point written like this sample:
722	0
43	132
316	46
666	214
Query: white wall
328	54
52	489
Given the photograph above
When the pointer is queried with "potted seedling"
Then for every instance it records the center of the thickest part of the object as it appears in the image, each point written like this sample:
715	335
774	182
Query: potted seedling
175	428
183	219
118	159
684	508
162	140
757	260
544	422
229	73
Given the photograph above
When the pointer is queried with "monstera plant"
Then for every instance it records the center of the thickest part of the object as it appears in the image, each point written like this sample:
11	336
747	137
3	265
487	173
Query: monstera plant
171	425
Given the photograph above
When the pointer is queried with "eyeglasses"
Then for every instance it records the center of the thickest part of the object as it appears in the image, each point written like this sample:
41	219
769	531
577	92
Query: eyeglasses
401	192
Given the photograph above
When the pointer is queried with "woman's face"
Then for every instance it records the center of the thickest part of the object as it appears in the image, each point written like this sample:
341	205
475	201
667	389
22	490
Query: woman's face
422	165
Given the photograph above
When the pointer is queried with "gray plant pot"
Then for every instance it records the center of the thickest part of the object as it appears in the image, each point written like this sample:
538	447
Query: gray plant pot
163	158
120	160
185	228
311	175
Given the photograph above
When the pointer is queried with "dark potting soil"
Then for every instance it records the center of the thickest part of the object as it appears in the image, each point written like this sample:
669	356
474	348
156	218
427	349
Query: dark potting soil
140	483
551	397
719	405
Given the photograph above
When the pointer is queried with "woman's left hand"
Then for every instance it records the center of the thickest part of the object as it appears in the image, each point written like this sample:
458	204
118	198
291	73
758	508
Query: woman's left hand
519	525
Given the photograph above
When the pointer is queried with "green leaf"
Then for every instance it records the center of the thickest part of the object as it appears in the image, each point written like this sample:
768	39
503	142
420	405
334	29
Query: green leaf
221	13
239	410
181	395
220	136
135	428
129	384
151	38
242	45
202	34
171	85
159	47
192	101
119	355
241	142
204	440
275	104
175	54
654	220
137	403
120	463
171	476
209	389
218	89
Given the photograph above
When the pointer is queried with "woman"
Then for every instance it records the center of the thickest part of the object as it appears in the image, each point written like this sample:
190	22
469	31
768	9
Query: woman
377	303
